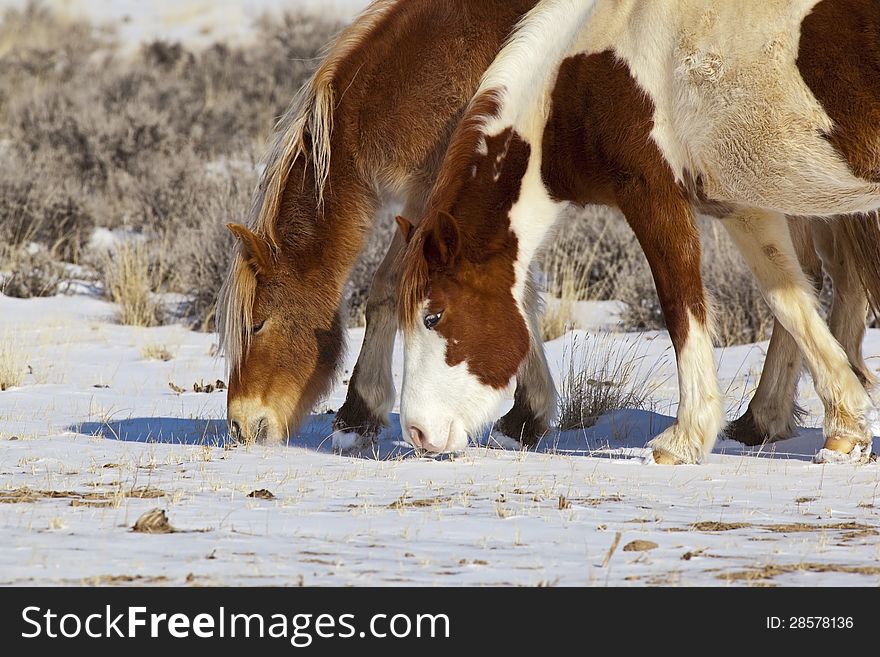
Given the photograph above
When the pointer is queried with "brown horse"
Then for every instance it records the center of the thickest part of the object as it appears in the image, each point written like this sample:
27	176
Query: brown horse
374	123
653	108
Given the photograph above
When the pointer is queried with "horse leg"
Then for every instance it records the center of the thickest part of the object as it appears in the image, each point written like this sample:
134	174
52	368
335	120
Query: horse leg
371	392
849	307
534	403
773	413
766	244
671	244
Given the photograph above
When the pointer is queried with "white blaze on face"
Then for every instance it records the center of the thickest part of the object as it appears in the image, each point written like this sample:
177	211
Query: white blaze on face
441	406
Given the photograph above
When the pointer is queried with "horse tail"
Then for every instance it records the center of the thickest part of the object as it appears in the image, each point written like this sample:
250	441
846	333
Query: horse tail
860	245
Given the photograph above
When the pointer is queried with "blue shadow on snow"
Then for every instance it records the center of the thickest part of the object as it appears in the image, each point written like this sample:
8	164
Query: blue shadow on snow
616	435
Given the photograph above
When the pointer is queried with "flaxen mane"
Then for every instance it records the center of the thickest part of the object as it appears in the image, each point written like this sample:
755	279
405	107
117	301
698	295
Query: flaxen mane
304	131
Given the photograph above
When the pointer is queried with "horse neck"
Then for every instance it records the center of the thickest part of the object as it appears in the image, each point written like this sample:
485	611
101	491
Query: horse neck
495	205
321	241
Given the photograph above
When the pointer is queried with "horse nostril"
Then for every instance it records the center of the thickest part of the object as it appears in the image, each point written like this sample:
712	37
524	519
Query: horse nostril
235	430
416	437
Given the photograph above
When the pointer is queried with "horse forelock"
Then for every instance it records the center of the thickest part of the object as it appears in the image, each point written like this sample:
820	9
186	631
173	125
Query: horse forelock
235	312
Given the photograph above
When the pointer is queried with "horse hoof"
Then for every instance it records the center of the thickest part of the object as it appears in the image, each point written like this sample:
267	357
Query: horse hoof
844	450
661	457
744	430
351	443
498	440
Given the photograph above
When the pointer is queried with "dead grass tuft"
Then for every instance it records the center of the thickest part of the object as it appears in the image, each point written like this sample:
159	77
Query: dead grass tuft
131	282
712	526
154	521
603	376
12	364
774	570
156	352
640	546
111	498
409	503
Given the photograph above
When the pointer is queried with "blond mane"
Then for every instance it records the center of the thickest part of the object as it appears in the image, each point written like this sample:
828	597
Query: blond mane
310	114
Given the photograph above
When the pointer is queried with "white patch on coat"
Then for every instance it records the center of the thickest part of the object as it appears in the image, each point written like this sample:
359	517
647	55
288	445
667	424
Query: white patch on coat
700	414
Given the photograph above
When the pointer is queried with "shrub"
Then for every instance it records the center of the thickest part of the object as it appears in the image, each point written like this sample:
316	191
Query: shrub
162	143
130	282
30	273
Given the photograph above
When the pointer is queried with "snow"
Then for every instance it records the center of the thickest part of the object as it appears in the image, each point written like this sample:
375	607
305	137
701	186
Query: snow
94	420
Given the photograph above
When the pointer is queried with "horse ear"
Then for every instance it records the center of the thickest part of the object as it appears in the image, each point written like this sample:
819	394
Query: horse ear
255	249
406	228
443	241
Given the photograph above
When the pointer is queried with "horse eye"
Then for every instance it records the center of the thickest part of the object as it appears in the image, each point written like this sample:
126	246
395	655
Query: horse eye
432	320
258	327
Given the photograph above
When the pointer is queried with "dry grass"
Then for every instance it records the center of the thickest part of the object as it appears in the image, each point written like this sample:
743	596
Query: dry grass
131	283
405	502
603	376
640	546
154	521
110	497
156	352
13	365
712	526
557	320
774	570
596	257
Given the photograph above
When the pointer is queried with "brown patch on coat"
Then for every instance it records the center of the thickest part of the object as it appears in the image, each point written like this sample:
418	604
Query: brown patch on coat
839	59
461	258
598	149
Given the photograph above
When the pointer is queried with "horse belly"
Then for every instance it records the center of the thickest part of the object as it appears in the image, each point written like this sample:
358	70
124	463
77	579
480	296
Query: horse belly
755	137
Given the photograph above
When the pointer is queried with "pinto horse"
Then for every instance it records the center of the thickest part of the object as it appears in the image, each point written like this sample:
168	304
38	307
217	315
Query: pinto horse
746	111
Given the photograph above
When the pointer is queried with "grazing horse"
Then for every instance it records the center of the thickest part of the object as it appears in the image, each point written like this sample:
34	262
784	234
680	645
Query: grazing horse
662	109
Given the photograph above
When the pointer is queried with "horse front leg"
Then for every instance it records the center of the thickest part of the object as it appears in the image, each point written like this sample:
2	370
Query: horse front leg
534	402
371	392
849	306
765	242
668	235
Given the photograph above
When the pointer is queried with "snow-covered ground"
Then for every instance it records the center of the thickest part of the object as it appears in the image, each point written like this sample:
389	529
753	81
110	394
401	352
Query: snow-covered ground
95	437
197	22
